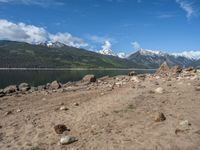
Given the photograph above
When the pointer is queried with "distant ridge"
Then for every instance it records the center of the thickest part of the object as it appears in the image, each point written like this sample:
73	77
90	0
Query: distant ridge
56	55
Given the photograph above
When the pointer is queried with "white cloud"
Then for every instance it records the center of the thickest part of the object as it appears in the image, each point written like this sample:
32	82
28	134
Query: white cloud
187	7
68	39
107	49
189	54
107	45
43	3
33	34
136	45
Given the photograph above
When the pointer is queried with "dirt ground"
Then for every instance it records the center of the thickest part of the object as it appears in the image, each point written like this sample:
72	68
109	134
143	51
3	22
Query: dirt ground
104	116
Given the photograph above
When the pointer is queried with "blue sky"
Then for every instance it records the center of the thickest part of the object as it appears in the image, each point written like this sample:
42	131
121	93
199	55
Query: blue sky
169	25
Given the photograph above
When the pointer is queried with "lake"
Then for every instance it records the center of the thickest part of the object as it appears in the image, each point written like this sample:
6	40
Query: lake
40	77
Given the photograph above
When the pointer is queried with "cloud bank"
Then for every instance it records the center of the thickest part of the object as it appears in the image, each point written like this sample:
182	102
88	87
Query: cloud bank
34	35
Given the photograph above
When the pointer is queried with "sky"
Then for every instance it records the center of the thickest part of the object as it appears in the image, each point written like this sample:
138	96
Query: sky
122	25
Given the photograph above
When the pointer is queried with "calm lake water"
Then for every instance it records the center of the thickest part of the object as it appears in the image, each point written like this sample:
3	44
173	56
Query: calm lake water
40	77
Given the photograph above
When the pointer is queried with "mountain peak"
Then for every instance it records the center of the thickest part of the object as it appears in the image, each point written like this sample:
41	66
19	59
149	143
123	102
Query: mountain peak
151	52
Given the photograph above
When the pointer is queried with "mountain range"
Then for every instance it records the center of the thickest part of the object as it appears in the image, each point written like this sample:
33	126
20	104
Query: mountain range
57	55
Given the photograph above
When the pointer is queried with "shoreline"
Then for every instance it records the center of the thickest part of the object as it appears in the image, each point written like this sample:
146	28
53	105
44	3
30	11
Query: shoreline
62	69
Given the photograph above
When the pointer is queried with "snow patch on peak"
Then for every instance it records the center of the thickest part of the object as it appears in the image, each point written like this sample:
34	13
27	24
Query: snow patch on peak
122	55
106	49
151	52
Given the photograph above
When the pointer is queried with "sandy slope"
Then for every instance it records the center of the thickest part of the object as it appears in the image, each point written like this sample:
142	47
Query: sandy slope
106	119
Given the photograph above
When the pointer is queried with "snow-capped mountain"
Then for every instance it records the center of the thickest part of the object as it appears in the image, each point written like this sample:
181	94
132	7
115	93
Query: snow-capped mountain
189	54
156	58
151	52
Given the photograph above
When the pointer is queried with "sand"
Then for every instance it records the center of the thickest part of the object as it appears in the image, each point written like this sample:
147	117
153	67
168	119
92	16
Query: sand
105	117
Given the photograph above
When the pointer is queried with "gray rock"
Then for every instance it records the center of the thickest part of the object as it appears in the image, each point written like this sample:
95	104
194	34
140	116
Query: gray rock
10	89
2	93
159	117
24	87
185	124
55	85
41	87
68	140
132	73
89	78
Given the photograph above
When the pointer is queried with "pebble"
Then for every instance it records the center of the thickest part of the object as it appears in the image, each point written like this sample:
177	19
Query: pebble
197	88
18	110
8	113
185	124
159	90
68	140
60	128
160	117
76	104
63	108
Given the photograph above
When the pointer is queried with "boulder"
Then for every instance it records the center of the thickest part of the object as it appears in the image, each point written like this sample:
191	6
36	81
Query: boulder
89	78
60	128
164	70
135	79
159	117
24	87
176	70
68	140
132	73
41	87
55	85
10	89
2	93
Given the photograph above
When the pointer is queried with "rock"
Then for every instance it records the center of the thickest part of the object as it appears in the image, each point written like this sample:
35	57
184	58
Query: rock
190	69
41	87
60	128
176	70
10	89
68	140
89	78
159	117
0	126
141	76
164	70
132	73
2	94
33	89
169	84
8	113
135	79
185	124
159	90
197	88
76	104
18	110
24	87
63	108
55	85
